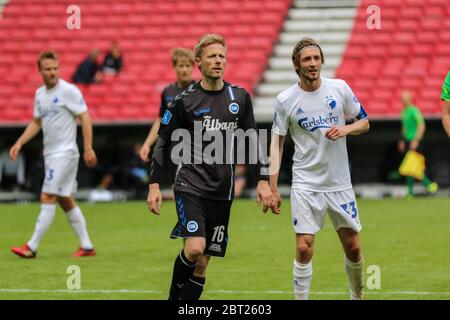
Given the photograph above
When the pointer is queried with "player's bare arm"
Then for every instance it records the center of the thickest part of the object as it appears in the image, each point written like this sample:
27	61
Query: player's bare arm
446	117
276	154
420	132
89	154
30	132
150	140
154	198
354	129
263	194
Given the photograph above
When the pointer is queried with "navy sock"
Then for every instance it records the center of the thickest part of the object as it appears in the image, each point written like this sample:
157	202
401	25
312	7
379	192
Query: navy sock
192	289
182	271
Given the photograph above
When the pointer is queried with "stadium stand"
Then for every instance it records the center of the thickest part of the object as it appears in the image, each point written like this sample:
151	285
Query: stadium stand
336	21
145	32
411	51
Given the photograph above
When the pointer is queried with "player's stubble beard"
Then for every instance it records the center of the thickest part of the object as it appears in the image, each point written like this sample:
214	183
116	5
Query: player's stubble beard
310	81
215	80
51	81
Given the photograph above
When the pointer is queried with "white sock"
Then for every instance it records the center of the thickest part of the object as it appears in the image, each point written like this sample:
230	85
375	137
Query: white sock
355	272
76	219
302	280
43	222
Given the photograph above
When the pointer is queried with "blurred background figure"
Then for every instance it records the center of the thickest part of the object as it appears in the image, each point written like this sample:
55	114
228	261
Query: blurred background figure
88	71
12	173
138	176
413	130
113	62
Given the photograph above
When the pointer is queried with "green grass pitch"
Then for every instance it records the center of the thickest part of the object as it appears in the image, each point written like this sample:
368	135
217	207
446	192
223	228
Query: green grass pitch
408	240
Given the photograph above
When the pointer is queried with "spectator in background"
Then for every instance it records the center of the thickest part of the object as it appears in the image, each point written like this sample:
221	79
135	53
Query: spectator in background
413	130
88	71
12	173
113	62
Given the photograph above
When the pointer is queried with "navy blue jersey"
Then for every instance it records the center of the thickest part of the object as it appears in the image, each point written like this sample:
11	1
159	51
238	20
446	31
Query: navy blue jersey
222	111
169	93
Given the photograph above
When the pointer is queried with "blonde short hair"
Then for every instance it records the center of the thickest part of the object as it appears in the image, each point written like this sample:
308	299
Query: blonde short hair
178	53
206	40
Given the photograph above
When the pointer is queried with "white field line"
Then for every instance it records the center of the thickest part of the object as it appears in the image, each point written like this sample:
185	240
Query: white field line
126	291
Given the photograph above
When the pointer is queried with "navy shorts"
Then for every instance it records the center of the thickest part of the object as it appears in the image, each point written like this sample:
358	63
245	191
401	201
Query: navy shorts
200	217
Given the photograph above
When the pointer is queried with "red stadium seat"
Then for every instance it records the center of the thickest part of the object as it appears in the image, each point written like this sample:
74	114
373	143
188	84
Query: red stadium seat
416	57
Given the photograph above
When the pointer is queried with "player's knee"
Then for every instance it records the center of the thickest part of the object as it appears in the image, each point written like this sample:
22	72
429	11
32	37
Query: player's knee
200	268
194	252
66	203
47	198
353	251
305	250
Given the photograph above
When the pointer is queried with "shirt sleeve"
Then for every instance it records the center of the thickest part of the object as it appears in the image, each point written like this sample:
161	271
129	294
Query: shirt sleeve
171	120
36	109
249	122
352	107
280	124
163	105
75	102
418	116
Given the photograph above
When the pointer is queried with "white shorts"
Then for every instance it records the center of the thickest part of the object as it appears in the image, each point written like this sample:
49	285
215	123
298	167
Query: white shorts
309	209
60	176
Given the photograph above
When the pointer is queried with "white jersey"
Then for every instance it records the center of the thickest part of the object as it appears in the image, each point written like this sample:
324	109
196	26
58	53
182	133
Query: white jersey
57	108
320	164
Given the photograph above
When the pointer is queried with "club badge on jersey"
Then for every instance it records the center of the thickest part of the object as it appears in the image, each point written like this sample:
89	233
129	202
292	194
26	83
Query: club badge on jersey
166	117
234	108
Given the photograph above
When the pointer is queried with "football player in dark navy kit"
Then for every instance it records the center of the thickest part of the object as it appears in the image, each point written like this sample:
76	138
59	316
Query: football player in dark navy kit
182	63
203	192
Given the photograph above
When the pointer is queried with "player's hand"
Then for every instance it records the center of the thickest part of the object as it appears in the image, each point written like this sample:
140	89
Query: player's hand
154	199
14	151
264	195
336	132
276	202
401	146
90	158
414	145
143	153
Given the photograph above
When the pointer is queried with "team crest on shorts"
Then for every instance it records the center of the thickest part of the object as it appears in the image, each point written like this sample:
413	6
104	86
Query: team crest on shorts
192	226
234	108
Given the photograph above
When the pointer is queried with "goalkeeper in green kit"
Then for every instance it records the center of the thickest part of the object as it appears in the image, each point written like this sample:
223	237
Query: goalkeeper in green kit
413	129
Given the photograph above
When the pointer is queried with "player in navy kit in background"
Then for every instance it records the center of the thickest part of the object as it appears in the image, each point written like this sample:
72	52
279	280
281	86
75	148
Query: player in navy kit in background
182	63
203	192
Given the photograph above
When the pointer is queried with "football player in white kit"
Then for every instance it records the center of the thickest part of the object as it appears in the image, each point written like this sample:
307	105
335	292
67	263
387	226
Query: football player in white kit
57	106
315	111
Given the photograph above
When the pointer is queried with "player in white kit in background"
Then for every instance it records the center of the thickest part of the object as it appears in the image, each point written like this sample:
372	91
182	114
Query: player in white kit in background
57	106
315	111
